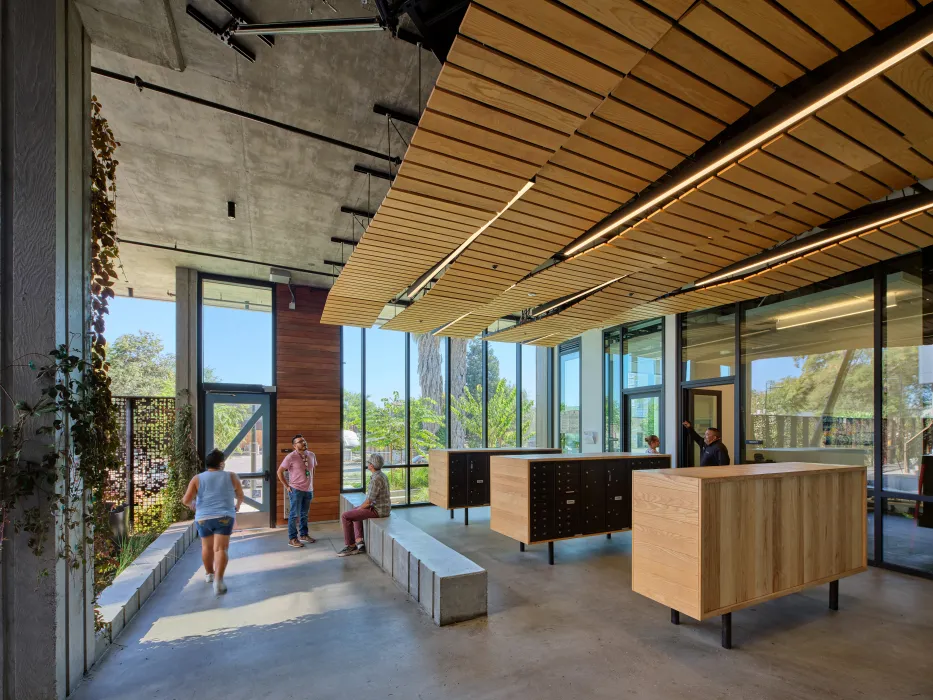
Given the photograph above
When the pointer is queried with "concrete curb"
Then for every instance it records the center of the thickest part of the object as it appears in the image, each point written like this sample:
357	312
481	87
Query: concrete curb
448	586
122	599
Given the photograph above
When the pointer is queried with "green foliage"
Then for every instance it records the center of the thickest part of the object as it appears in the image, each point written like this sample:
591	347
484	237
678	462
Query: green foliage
385	425
131	547
500	415
228	421
183	465
140	367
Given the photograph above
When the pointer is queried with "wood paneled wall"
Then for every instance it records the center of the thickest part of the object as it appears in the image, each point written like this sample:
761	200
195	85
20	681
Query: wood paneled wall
308	393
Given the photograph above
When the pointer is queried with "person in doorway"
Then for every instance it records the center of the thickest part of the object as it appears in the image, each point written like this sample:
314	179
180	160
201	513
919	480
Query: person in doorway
712	450
377	505
654	445
299	464
215	497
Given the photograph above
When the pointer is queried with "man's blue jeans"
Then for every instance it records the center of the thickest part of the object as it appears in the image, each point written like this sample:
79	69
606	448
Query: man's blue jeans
298	504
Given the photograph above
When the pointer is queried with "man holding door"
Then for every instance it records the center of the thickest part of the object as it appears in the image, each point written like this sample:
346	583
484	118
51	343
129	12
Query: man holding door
299	464
712	450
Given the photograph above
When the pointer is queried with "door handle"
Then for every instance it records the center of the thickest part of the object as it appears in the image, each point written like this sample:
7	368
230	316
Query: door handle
266	475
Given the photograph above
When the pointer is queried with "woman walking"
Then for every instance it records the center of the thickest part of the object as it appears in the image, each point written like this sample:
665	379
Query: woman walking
217	497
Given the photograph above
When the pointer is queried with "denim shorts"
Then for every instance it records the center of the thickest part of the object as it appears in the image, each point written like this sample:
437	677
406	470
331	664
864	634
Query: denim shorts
215	526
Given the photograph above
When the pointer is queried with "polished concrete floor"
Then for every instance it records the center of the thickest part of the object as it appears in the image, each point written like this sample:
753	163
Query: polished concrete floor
305	624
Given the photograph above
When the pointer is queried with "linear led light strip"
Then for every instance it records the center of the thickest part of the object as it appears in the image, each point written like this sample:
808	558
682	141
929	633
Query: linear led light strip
452	323
761	138
463	246
816	244
561	302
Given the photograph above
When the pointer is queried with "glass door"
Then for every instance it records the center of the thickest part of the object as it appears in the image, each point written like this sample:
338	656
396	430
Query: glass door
238	423
705	411
642	418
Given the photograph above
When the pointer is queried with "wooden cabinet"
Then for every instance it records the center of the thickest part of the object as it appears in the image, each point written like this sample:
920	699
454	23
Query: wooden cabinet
711	540
543	497
460	478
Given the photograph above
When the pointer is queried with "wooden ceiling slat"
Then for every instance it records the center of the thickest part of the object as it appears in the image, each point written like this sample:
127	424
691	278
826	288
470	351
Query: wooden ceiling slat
782	171
735	40
833	143
435	203
503	69
677	82
869	250
442	161
495	119
751	180
446	179
407	184
808	158
787	223
470	150
779	30
720	206
769	231
890	175
735	193
896	245
909	234
684	209
880	98
714	68
624	17
836	23
843	196
882	13
584	182
548	214
565	192
538	196
485	138
469	84
611	156
661	105
923	222
867	187
509	37
687	239
619	138
825	208
672	8
826	259
915	76
583	35
666	217
850	253
598	170
647	126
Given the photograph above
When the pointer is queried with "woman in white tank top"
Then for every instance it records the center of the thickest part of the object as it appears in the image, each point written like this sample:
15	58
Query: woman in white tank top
216	496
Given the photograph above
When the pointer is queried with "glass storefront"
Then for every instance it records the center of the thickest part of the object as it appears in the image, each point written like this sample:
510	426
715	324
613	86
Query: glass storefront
708	344
633	358
569	397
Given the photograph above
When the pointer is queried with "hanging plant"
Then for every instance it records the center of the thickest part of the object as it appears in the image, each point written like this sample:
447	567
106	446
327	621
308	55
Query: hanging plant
183	465
60	448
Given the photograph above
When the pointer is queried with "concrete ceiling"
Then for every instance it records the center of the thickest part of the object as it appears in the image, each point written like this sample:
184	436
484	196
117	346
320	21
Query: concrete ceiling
180	163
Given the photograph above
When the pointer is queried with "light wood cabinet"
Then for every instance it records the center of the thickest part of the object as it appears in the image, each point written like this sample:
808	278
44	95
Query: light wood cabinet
711	540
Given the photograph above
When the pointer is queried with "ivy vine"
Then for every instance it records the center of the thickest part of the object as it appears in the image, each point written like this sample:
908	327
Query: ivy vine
59	448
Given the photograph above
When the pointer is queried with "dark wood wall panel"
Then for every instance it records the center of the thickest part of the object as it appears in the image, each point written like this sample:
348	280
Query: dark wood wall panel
308	393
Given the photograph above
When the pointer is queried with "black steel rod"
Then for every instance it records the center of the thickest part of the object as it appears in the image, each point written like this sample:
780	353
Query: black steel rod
550	553
466	516
451	513
608	535
311	26
135	80
675	617
521	546
727	631
834	595
225	257
344	241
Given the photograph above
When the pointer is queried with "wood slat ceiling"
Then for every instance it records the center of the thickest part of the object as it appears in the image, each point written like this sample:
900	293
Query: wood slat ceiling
598	99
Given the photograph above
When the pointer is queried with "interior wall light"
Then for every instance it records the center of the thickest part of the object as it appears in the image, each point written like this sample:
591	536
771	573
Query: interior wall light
765	135
797	251
428	276
560	302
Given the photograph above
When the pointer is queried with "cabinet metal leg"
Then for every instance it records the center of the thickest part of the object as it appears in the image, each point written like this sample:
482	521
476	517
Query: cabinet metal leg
834	595
550	553
466	516
451	513
675	617
608	535
727	631
521	546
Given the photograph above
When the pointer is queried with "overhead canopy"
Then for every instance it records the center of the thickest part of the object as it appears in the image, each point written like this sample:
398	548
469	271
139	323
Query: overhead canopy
664	144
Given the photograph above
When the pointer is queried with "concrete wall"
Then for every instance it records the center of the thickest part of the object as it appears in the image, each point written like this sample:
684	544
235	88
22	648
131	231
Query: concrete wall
591	391
46	619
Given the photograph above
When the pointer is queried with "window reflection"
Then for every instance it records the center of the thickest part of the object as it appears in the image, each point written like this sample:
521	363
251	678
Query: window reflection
529	395
569	415
352	408
501	413
709	343
466	393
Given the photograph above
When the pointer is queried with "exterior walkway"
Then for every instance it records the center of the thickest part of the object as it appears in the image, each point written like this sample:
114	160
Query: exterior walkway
303	624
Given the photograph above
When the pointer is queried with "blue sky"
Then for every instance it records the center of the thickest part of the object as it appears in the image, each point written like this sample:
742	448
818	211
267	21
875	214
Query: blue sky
237	343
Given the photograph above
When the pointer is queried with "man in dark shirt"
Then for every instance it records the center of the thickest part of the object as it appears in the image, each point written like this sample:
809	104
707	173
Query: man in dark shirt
712	451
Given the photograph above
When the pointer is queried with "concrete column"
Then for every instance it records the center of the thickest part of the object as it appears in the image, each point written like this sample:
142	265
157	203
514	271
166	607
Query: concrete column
46	616
591	391
543	437
186	337
672	430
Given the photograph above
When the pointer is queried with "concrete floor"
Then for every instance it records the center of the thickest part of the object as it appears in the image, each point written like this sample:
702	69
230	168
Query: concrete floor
303	623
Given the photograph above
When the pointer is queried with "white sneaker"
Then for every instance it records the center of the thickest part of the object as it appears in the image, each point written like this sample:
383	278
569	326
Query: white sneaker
219	587
208	578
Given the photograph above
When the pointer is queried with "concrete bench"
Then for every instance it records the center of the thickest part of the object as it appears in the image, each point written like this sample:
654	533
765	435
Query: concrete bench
121	600
448	586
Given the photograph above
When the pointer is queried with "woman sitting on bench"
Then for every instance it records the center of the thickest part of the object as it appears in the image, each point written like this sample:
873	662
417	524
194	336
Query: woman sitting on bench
376	505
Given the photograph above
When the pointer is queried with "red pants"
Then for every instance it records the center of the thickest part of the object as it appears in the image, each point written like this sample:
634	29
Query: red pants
352	521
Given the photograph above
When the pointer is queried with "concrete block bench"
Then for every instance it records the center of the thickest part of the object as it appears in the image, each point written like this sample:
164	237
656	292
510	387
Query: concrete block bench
121	600
448	586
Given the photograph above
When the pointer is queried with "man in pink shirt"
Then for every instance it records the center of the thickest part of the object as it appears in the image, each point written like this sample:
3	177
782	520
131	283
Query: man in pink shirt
299	464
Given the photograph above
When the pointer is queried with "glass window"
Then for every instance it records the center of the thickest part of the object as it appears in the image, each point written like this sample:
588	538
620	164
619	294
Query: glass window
709	343
428	406
466	393
908	533
352	408
643	414
569	373
808	364
612	391
501	410
529	395
236	323
642	354
385	395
